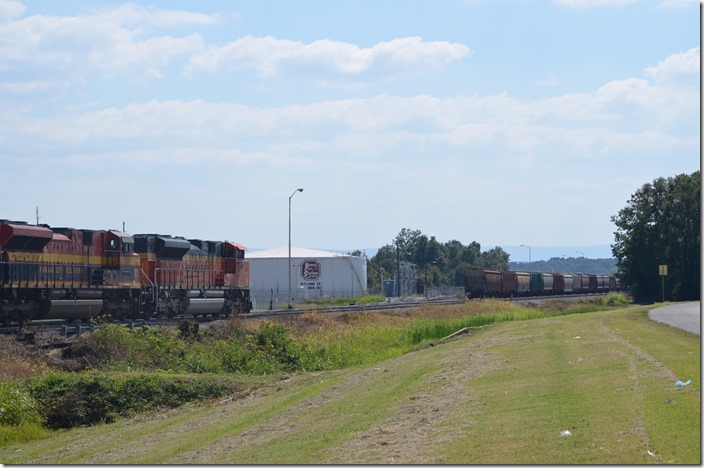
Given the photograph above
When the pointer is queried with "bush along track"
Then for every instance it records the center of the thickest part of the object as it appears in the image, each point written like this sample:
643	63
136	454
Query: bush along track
321	343
590	388
68	401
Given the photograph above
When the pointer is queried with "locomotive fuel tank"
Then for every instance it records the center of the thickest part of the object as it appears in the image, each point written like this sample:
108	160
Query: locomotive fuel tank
72	309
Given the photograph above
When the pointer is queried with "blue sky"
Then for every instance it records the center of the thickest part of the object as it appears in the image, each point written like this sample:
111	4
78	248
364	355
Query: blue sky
504	122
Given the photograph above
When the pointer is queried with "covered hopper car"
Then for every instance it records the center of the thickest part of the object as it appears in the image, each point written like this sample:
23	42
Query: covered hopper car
480	282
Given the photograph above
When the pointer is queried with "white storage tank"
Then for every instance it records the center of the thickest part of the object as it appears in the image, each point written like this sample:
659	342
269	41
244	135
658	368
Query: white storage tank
314	273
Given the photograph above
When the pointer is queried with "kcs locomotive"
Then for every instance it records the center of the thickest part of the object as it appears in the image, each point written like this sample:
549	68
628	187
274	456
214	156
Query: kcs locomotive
65	273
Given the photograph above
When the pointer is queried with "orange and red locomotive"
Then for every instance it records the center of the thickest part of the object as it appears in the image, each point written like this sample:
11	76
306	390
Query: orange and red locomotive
49	272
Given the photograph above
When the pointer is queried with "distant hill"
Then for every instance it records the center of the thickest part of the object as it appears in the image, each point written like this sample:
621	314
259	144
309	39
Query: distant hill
520	254
599	266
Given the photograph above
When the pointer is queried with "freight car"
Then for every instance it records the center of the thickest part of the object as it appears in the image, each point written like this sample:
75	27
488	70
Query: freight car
65	273
481	282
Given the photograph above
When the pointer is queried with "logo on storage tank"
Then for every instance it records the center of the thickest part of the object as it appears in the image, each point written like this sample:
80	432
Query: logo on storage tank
310	270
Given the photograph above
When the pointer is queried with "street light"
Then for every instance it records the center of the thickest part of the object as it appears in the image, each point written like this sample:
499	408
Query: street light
290	299
530	260
577	251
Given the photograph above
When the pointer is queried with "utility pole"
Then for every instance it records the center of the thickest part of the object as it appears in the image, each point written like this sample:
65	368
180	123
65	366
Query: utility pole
398	270
290	299
36	212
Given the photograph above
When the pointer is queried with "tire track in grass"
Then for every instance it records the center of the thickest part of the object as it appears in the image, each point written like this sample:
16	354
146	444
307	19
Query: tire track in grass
79	445
500	396
558	375
234	417
365	396
404	436
651	373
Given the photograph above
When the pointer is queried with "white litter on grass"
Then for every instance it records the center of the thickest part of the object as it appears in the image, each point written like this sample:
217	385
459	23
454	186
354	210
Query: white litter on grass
651	454
576	337
565	433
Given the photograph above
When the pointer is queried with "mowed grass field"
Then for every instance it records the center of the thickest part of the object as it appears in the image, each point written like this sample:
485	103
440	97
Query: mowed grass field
502	394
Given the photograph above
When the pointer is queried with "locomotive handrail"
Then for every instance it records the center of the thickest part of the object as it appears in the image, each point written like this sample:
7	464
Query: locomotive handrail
150	282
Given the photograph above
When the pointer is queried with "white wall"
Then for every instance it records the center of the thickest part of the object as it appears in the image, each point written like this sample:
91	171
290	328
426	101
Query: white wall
339	276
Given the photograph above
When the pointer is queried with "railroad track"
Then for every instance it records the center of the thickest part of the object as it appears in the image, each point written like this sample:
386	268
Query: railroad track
374	307
69	328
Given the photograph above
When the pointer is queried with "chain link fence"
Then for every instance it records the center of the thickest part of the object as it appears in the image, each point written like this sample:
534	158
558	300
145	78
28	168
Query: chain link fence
444	291
269	299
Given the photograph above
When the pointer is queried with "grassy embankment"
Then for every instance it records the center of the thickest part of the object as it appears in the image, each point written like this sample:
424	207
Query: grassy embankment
540	377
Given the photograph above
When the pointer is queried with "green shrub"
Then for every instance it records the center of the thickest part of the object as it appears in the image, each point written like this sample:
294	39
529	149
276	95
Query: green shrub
17	407
273	340
615	300
70	401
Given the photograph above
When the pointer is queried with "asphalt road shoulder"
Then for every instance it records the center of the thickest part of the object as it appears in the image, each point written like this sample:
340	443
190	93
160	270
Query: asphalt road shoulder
685	315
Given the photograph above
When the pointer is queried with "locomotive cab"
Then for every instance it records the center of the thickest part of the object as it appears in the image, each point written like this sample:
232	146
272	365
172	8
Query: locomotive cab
120	262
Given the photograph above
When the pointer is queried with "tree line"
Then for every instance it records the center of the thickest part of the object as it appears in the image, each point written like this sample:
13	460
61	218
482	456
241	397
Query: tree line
444	263
661	225
437	263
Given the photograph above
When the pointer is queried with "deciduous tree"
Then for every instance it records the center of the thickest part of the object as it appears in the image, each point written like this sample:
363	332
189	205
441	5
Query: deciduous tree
660	225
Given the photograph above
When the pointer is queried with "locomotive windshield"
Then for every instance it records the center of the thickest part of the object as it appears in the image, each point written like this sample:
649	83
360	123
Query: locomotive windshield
120	241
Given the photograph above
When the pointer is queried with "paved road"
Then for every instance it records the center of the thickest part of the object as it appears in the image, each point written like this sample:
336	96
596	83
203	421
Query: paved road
686	316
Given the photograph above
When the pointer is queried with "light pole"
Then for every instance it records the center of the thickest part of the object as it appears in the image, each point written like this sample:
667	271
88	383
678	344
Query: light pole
290	299
577	251
530	260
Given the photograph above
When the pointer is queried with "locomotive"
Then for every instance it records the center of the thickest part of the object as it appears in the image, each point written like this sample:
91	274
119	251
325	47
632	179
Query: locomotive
78	274
480	282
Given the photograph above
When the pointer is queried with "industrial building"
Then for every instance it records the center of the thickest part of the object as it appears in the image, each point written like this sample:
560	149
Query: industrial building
314	273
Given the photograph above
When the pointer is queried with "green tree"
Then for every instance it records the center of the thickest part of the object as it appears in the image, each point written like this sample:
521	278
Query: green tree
437	263
660	225
494	259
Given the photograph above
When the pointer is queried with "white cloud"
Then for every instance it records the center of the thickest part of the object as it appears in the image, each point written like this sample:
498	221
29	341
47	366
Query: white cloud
138	15
28	87
685	63
631	115
11	9
271	56
125	40
116	41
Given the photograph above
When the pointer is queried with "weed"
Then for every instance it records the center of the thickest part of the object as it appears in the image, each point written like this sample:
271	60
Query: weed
17	407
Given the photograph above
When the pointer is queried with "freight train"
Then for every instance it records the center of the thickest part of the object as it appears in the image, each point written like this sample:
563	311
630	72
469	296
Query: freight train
78	274
481	282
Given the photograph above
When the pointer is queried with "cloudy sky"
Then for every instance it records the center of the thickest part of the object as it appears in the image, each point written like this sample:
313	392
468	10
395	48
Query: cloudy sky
504	122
